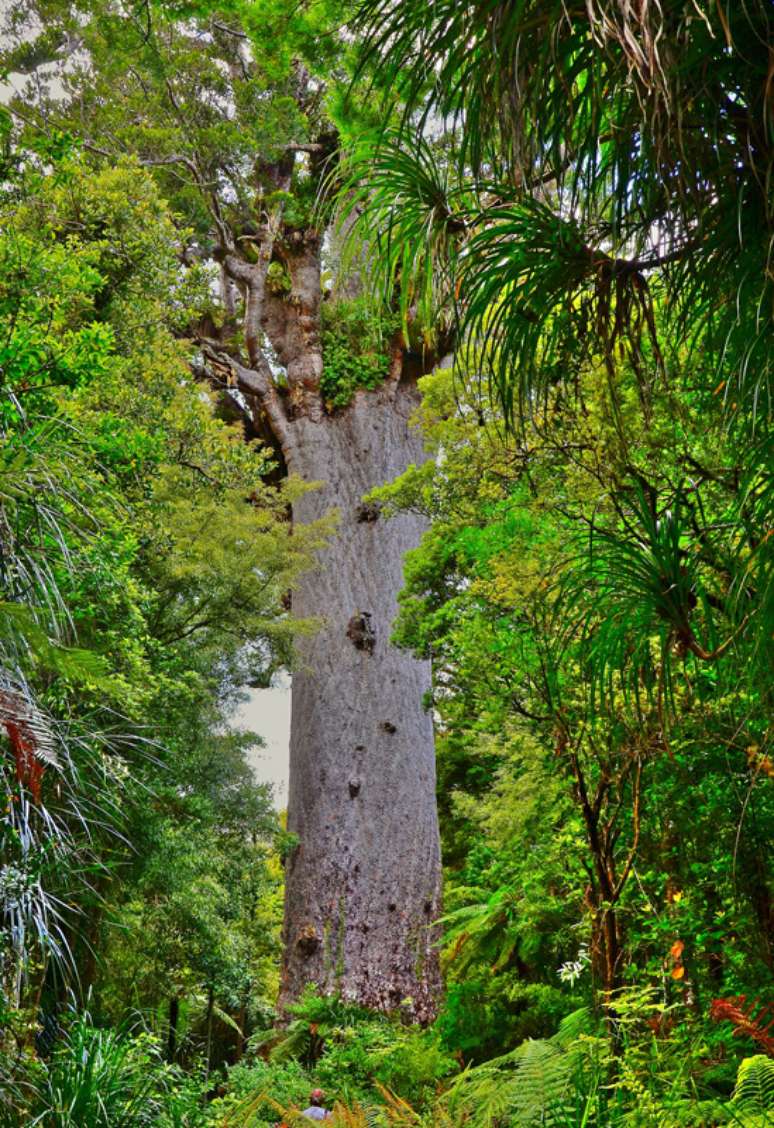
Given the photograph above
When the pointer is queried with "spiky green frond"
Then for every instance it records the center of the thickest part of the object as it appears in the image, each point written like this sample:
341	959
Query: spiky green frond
638	598
104	1078
637	146
399	199
534	290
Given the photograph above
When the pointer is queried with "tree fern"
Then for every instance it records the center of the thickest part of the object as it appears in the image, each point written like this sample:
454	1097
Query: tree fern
483	929
541	1082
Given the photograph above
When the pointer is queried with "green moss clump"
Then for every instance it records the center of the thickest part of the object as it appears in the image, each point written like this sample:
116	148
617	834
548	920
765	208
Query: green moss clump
277	279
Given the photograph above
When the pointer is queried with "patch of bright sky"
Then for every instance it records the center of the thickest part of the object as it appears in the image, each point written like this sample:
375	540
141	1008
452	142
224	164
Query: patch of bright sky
267	712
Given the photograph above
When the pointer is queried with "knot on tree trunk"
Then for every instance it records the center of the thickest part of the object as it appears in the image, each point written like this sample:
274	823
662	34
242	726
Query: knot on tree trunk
361	633
367	512
308	939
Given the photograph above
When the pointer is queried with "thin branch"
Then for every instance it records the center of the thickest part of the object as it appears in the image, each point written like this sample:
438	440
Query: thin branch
636	794
229	30
696	648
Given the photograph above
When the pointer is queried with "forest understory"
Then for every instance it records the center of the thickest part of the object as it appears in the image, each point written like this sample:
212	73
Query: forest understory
422	351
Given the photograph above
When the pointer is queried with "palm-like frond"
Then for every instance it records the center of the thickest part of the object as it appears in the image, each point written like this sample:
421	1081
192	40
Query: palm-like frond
559	91
63	777
639	585
640	132
30	731
49	834
542	299
400	199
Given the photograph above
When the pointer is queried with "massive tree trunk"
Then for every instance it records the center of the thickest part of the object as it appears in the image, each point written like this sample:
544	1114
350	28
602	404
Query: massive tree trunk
363	884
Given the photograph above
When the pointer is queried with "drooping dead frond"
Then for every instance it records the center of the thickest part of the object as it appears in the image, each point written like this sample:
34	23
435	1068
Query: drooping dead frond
30	735
750	1019
636	26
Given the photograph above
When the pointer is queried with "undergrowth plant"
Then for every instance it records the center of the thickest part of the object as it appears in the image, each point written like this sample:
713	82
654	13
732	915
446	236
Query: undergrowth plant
104	1078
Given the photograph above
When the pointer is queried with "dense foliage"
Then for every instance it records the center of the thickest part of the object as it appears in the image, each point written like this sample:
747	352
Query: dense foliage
578	199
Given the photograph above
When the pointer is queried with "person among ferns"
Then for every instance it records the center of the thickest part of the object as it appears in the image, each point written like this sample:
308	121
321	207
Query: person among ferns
316	1110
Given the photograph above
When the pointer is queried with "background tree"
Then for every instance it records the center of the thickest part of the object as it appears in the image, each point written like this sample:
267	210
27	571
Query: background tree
125	634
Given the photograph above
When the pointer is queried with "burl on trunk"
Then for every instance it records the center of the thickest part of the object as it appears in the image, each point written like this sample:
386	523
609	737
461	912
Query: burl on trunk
363	882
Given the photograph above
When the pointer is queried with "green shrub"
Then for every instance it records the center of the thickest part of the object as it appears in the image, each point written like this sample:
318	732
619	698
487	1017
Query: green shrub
257	1088
404	1059
485	1016
103	1079
345	1050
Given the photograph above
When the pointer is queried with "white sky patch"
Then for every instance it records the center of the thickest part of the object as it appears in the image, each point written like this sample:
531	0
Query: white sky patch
267	712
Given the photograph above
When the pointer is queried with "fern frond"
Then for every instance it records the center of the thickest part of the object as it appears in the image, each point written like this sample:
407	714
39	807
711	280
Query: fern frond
20	715
754	1089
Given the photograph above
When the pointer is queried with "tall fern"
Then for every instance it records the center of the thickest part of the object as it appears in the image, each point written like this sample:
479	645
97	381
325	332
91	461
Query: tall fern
542	1082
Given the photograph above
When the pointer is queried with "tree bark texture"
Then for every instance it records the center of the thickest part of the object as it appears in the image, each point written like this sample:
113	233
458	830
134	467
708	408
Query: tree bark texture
363	884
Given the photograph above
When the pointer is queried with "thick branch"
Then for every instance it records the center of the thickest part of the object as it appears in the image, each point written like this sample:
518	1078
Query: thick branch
256	382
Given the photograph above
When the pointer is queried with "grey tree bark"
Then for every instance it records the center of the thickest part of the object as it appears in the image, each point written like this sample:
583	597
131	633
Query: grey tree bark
363	884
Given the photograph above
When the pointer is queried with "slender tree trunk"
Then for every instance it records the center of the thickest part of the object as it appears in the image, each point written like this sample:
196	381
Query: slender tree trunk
363	884
174	1014
241	1033
208	1026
